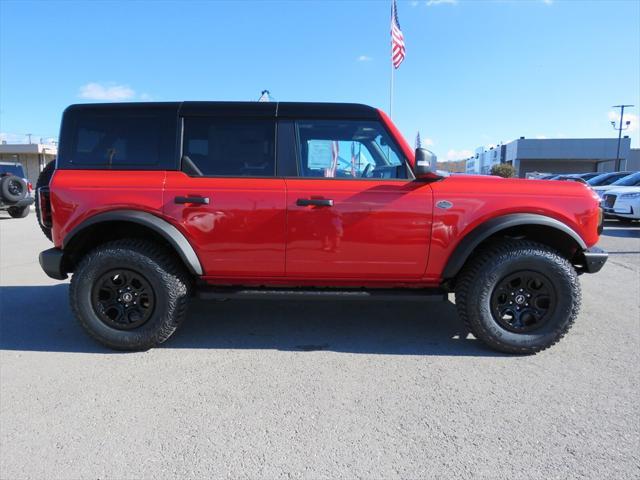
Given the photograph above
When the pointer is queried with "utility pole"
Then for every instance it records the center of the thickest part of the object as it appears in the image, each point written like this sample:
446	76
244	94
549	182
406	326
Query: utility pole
620	128
29	135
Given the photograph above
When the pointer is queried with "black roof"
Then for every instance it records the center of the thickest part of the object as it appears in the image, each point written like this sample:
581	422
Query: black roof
245	109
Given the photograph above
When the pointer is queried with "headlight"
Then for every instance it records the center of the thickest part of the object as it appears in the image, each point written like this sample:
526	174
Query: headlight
630	195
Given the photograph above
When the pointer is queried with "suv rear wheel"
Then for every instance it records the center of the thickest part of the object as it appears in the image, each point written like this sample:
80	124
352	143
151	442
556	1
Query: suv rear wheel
18	212
130	294
518	296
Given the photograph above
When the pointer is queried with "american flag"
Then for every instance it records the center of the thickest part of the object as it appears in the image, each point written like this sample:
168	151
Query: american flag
397	39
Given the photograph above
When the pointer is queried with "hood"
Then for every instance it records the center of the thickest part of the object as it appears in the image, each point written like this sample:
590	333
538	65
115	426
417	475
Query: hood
621	190
605	188
492	185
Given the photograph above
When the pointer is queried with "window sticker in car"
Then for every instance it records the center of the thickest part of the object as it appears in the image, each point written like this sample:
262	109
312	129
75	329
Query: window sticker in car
319	154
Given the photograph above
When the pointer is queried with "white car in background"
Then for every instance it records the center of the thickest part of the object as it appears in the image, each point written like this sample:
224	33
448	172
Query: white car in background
622	203
632	180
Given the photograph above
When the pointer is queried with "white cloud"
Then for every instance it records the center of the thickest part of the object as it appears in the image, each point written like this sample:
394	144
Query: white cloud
146	97
547	2
541	137
364	58
427	142
614	116
441	2
458	154
108	92
415	3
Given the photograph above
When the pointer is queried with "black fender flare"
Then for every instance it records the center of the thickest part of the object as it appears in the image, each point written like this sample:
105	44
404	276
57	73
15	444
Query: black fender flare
166	230
467	245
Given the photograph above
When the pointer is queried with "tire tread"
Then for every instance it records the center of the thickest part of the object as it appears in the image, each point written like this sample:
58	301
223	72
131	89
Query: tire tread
175	278
509	248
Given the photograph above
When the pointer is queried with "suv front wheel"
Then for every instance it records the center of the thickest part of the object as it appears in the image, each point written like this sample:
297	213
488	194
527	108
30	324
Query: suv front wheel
130	294
518	296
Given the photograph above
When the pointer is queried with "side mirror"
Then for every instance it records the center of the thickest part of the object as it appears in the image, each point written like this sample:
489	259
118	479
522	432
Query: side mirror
425	166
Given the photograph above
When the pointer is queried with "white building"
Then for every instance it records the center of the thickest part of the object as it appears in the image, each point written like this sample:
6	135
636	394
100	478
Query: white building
484	159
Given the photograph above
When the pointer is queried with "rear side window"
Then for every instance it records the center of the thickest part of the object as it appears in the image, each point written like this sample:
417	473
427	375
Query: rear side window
119	139
226	147
13	170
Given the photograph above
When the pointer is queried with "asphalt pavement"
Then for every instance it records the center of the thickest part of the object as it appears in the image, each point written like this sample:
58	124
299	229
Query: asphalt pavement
273	389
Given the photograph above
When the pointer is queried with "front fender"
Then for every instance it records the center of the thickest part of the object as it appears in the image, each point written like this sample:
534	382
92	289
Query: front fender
468	244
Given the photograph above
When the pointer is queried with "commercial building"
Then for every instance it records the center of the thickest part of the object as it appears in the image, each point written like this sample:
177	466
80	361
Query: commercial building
32	156
485	158
562	155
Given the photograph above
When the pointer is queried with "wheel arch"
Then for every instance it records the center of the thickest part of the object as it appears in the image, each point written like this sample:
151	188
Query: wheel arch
116	224
540	228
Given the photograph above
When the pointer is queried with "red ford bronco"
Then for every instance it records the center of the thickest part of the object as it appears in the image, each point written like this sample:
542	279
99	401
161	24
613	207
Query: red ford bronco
152	203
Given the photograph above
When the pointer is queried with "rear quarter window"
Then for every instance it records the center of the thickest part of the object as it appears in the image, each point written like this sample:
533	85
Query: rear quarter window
16	170
119	138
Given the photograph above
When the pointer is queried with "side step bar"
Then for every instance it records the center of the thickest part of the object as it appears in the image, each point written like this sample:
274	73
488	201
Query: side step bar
223	293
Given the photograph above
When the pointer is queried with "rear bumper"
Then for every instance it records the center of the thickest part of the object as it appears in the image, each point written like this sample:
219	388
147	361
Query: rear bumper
594	259
51	262
25	202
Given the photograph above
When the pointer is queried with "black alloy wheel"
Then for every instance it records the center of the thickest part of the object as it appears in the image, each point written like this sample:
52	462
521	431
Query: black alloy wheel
123	299
523	301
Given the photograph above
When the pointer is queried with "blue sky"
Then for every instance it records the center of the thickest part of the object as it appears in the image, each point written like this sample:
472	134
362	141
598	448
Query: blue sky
476	72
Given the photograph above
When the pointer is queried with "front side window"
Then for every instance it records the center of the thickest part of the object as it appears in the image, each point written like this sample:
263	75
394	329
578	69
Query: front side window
226	147
347	149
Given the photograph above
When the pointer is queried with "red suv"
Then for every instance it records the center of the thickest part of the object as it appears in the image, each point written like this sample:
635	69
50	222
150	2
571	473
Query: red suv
152	203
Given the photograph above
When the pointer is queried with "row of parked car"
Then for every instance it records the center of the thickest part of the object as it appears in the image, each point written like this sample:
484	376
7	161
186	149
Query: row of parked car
619	191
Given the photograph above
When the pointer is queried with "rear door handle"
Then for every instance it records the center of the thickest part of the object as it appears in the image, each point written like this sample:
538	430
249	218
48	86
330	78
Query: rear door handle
198	200
315	202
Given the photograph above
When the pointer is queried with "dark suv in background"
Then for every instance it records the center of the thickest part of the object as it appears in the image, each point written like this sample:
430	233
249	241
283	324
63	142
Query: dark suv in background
16	194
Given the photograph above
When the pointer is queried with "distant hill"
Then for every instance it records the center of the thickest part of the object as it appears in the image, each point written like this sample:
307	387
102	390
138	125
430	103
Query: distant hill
458	166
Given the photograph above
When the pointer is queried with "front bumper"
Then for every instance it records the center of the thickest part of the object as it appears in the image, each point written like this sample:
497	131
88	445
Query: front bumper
621	208
51	262
593	259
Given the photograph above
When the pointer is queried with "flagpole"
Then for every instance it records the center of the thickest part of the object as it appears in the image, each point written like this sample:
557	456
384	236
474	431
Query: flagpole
391	81
391	93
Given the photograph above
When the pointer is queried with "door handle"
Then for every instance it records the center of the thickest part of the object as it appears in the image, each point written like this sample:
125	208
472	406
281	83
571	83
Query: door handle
315	202
198	200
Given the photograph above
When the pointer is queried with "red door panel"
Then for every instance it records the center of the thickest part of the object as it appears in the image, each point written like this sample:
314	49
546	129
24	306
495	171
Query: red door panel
375	230
240	232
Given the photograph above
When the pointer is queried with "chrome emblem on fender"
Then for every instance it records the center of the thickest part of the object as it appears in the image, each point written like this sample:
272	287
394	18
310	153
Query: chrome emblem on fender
444	204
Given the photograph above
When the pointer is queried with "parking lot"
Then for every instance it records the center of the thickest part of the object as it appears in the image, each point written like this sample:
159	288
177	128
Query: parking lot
272	389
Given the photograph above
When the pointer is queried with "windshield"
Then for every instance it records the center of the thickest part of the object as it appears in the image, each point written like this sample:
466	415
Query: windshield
12	169
628	181
606	178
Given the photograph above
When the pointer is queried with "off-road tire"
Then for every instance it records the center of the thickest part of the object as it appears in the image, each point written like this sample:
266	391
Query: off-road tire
18	212
12	189
43	181
164	272
485	270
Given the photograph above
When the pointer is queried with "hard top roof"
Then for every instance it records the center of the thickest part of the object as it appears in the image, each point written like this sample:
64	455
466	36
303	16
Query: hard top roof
244	109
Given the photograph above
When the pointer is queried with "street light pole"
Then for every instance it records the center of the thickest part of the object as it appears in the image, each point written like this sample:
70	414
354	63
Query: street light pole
620	128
